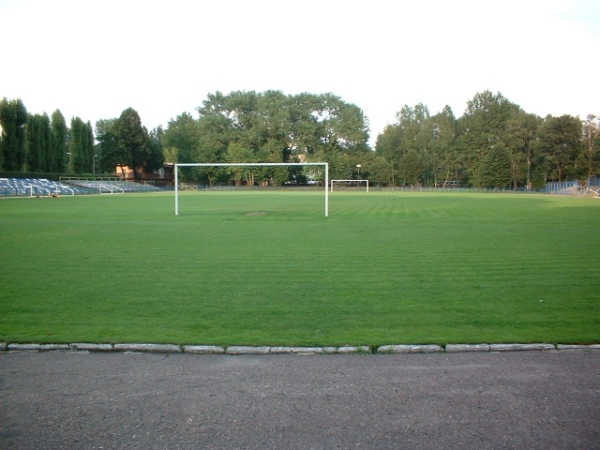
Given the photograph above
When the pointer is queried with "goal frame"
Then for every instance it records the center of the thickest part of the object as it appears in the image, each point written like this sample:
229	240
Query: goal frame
177	165
367	183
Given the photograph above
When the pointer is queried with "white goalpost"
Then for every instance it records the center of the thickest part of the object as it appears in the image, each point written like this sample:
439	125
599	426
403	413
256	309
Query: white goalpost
347	181
177	165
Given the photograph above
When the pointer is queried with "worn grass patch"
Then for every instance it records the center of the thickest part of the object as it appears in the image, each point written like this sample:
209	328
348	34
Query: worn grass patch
266	268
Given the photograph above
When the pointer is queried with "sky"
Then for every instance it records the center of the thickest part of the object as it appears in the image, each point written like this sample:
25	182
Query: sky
95	58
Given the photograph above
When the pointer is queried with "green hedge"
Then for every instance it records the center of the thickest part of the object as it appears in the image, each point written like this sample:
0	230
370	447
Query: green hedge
53	176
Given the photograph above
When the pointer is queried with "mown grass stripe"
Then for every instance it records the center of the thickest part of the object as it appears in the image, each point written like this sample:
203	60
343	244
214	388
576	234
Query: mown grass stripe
384	267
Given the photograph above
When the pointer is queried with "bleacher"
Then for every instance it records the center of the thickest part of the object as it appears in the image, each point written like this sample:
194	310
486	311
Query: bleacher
41	187
36	187
113	187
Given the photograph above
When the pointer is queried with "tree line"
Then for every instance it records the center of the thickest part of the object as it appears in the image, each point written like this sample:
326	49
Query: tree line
268	127
495	143
37	143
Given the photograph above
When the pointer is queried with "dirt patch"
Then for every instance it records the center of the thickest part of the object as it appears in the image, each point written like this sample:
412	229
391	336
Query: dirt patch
256	213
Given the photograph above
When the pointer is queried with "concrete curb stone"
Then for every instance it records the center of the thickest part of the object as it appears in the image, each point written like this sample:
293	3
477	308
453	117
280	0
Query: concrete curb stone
247	350
150	348
570	347
203	349
24	347
83	346
54	347
265	350
401	348
280	350
306	350
577	347
456	348
330	350
349	349
432	348
520	347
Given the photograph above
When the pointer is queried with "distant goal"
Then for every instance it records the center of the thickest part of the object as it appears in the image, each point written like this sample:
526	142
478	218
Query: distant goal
351	181
176	175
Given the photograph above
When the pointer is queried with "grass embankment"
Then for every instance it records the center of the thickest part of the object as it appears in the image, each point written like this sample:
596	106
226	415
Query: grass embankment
268	269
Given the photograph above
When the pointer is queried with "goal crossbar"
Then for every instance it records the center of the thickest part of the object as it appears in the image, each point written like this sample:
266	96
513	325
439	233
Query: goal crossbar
348	181
177	165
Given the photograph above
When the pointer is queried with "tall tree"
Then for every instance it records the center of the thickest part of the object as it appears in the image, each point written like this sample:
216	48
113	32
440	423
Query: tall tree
38	145
185	141
344	126
591	145
135	148
110	155
183	134
411	121
58	142
239	153
305	124
496	167
90	160
445	161
412	132
13	117
80	146
132	139
521	131
374	168
482	126
560	142
155	158
389	146
411	168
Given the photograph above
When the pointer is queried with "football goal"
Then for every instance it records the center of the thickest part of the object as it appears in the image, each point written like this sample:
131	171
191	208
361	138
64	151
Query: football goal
176	175
350	181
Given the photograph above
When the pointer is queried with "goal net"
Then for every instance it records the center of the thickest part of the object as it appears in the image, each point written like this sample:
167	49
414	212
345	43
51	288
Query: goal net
176	175
351	181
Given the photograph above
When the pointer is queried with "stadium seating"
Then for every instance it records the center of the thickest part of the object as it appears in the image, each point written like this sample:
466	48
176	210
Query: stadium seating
113	187
34	187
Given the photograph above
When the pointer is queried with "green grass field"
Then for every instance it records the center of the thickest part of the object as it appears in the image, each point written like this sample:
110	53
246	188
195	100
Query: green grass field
267	268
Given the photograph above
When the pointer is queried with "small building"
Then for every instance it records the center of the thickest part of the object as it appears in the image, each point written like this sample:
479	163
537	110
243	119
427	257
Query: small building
164	176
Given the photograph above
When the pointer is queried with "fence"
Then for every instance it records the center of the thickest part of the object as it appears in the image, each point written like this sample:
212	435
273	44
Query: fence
590	186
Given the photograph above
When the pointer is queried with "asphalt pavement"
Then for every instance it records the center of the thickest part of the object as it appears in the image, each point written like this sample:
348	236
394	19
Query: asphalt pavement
491	400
